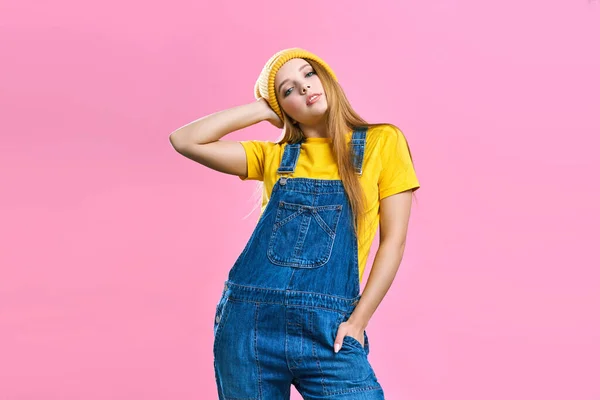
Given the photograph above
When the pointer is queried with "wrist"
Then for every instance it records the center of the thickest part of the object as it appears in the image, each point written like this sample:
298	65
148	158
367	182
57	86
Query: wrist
261	108
358	321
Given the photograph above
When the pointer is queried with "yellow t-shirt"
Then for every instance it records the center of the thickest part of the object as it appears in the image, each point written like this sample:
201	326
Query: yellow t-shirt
387	170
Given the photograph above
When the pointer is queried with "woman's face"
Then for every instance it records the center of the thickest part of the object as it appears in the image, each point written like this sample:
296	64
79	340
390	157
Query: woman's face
300	92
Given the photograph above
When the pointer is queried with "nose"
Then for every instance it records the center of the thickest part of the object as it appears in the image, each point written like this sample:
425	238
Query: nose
304	88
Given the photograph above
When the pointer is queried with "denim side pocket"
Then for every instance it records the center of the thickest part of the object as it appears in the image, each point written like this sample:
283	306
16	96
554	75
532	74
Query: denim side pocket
351	341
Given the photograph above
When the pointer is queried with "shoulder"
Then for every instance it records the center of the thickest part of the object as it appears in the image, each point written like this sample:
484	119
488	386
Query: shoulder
383	134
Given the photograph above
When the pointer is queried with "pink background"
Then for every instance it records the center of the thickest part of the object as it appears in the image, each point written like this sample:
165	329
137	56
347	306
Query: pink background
114	248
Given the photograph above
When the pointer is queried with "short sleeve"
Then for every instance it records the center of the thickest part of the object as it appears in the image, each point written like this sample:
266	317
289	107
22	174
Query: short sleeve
397	169
256	151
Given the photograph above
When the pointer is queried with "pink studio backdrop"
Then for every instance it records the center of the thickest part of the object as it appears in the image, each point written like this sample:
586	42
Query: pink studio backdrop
114	248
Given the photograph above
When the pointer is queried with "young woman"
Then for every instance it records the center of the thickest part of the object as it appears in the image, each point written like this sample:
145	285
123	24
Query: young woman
291	311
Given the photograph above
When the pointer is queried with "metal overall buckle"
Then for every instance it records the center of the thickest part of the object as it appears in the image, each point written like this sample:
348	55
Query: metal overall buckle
284	178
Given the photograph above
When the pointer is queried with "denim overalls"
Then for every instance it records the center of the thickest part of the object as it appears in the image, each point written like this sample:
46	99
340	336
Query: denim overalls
293	284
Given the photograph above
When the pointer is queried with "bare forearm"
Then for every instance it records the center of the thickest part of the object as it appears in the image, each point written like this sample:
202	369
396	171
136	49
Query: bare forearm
385	266
214	126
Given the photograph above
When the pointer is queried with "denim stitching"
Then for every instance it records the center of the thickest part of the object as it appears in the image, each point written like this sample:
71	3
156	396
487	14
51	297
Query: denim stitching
256	351
279	223
314	351
316	294
330	230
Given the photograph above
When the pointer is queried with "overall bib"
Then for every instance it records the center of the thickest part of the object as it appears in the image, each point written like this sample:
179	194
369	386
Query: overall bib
293	284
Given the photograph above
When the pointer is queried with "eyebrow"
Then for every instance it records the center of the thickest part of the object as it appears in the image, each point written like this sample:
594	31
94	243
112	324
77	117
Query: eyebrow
300	69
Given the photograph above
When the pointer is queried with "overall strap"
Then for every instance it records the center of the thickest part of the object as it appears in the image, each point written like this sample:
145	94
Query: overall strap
357	148
289	158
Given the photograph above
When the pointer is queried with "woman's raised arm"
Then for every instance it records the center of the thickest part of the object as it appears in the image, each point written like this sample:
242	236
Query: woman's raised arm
201	141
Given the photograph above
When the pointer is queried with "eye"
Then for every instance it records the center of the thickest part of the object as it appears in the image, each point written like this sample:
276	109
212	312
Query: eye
308	75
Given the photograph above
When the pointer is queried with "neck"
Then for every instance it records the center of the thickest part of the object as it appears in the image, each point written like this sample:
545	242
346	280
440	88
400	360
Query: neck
318	130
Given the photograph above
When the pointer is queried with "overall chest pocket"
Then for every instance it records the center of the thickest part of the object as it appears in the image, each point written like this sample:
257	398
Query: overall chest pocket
303	235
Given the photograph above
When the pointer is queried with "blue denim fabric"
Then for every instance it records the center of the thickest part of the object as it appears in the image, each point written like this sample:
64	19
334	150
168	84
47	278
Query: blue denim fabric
293	284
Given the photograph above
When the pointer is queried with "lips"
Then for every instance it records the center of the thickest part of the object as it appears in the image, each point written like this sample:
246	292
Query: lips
313	98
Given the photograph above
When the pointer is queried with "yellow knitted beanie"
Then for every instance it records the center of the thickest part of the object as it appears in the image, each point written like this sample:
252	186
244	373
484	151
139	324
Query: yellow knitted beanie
265	84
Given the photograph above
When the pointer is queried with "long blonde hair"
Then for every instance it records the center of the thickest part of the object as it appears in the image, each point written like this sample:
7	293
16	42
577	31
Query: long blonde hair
341	119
